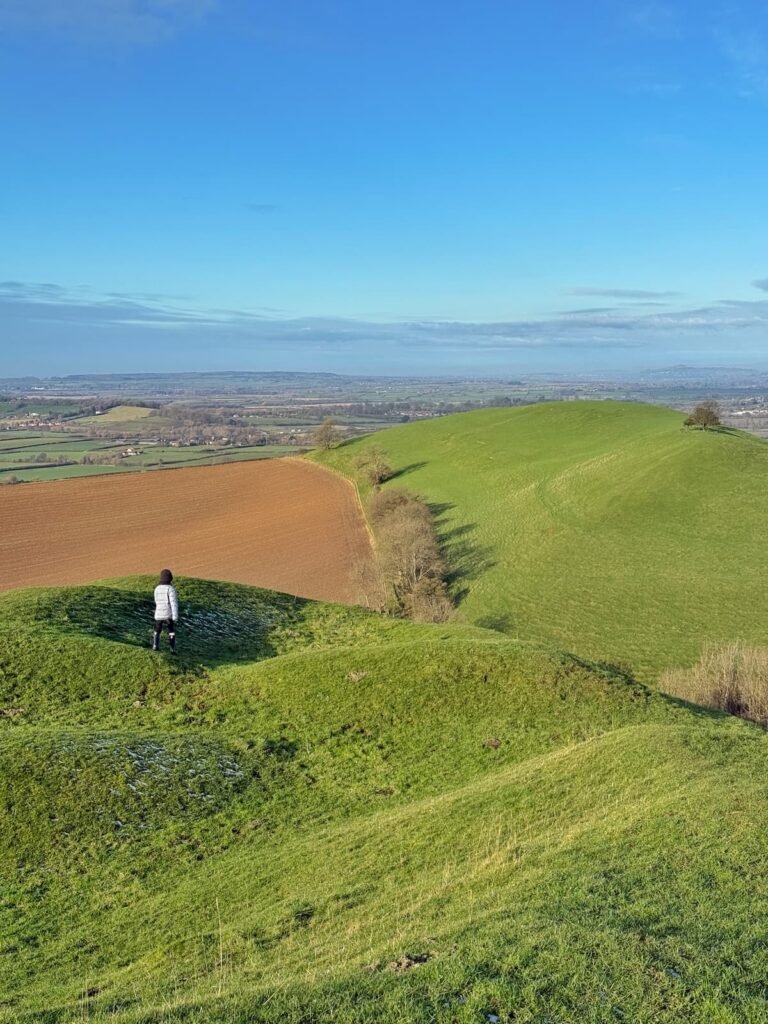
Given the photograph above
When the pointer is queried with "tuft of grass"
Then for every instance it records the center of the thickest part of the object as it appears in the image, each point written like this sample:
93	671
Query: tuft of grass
732	678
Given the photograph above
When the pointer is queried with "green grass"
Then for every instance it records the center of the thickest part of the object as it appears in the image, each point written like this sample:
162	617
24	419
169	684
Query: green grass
156	456
119	414
19	408
600	527
314	814
18	449
16	440
29	475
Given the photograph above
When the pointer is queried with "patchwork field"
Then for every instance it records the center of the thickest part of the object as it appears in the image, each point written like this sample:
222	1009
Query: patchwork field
30	455
283	524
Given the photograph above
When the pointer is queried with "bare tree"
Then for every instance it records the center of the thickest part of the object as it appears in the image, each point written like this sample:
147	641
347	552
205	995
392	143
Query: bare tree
383	504
326	435
429	601
373	463
410	569
409	553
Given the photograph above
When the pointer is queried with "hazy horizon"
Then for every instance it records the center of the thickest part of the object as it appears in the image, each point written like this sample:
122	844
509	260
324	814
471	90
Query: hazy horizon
392	191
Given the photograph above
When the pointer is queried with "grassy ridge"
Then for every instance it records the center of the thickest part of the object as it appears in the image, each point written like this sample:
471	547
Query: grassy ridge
600	527
314	814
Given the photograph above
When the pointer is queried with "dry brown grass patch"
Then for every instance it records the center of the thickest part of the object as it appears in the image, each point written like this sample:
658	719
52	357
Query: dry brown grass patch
732	678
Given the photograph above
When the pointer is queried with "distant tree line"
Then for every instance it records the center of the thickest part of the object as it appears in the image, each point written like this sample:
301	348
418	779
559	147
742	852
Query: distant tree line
52	460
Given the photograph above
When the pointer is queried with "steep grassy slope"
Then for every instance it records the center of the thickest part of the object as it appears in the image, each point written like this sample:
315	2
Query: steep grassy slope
314	814
601	527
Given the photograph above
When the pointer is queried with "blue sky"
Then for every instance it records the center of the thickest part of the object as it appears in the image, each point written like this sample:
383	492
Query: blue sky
485	187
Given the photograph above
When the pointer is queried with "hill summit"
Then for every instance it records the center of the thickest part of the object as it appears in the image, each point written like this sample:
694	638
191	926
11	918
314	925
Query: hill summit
603	528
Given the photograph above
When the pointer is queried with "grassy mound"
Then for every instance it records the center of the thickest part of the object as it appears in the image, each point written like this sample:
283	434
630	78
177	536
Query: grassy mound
348	818
603	528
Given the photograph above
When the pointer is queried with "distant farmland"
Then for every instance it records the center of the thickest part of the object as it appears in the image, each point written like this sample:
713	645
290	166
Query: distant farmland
30	455
283	524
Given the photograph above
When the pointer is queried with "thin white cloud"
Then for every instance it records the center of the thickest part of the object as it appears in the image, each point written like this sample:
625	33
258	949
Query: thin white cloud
51	315
619	293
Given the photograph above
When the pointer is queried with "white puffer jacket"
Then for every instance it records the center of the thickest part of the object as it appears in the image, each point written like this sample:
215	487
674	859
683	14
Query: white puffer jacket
166	602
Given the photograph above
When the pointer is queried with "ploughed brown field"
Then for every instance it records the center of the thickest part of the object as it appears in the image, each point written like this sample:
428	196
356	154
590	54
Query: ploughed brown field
285	524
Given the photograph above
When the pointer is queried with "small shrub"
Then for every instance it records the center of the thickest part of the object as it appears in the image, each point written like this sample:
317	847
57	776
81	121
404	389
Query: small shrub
732	679
383	503
408	551
326	435
373	464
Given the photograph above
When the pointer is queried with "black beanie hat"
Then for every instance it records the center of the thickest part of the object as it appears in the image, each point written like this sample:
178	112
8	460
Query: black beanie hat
166	576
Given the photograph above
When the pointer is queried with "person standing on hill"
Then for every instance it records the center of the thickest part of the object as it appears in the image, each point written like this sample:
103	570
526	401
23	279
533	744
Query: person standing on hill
166	610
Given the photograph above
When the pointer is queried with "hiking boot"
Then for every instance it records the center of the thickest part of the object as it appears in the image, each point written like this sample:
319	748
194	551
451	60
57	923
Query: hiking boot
155	643
172	642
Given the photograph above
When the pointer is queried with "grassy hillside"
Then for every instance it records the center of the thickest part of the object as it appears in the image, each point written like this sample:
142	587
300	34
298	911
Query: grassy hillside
601	527
119	414
315	814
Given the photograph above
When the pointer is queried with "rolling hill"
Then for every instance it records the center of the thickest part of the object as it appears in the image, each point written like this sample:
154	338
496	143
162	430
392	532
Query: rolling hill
603	528
316	814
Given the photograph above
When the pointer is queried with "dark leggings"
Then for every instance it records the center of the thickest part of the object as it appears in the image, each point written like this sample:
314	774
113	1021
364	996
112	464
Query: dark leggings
170	623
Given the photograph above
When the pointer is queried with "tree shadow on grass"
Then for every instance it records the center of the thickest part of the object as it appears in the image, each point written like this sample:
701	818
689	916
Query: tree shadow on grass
500	623
413	467
467	560
723	428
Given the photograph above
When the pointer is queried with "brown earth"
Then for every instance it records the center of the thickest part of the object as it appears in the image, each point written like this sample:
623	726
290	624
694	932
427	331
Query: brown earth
285	524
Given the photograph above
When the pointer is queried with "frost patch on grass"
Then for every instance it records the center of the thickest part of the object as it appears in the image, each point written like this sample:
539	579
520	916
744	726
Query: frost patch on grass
109	782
